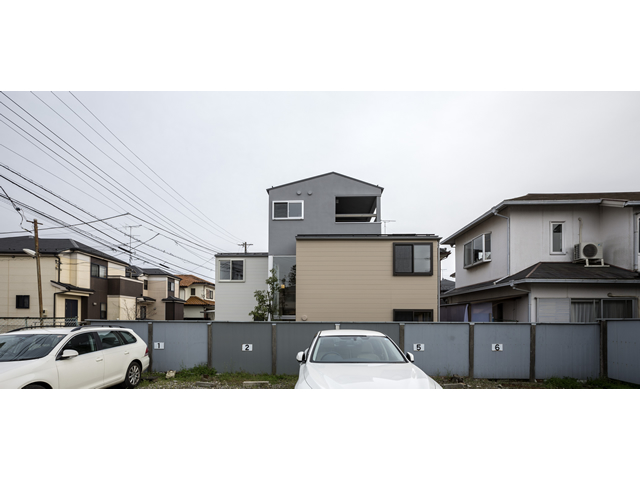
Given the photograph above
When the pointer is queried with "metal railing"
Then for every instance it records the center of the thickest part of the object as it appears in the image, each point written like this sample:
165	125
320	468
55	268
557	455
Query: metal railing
12	323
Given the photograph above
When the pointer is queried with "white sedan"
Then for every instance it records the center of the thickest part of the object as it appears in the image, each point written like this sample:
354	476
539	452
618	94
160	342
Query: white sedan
358	359
66	357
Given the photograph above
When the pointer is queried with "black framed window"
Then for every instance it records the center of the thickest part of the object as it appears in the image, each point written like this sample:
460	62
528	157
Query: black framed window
413	315
412	259
22	301
193	291
146	285
103	311
171	286
99	271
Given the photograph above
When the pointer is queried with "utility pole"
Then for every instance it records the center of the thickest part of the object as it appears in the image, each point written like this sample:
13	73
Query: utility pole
35	231
245	245
131	237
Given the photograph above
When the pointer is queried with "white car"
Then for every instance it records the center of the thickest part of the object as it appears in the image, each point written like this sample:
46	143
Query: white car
68	357
358	359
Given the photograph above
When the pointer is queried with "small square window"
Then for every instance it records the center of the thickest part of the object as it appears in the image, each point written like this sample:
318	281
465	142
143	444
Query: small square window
193	291
99	271
231	270
22	301
412	259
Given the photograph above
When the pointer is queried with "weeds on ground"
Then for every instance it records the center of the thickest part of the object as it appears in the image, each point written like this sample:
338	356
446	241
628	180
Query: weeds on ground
599	383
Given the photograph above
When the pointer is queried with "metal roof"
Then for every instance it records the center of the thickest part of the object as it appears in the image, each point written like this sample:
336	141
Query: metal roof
555	272
51	246
324	175
621	199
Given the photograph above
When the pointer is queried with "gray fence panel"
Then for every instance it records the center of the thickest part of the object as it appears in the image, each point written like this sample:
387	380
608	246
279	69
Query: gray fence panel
185	345
291	338
228	338
140	327
568	350
392	330
623	350
513	361
446	347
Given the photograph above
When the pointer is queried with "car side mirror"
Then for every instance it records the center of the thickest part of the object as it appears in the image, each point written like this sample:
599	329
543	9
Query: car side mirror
68	354
411	357
301	357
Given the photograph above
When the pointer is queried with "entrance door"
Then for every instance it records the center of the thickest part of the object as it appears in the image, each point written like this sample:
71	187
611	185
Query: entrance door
70	308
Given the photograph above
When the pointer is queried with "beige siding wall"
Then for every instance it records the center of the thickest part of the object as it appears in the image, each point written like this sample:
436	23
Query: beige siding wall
18	277
76	269
352	280
121	308
158	290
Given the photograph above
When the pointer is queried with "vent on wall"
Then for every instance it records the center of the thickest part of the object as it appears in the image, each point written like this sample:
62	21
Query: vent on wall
588	251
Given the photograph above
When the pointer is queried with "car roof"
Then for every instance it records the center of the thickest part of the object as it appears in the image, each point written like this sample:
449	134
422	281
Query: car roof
62	330
349	333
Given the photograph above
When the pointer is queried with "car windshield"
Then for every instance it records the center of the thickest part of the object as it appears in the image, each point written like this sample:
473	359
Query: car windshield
356	349
16	347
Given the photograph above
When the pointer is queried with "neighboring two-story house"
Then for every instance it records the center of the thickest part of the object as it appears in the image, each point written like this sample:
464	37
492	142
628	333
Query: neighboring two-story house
77	281
199	295
548	258
159	299
333	262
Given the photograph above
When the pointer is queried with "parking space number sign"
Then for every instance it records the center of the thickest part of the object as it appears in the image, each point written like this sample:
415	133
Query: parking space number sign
247	347
497	347
418	347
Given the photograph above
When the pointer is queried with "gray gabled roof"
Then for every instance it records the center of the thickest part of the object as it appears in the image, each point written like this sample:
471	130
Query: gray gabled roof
324	175
14	245
555	272
621	199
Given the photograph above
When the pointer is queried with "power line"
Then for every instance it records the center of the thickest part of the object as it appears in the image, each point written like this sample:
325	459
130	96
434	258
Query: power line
117	163
143	162
128	203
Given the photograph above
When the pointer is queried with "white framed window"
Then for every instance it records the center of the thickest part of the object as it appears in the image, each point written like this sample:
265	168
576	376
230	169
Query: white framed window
556	241
231	270
477	250
287	210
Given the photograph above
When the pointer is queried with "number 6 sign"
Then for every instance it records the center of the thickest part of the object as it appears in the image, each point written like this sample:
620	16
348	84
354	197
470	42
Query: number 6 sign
497	347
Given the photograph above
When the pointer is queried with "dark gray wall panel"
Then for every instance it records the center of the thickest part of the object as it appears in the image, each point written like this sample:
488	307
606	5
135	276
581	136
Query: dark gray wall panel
185	345
512	362
446	347
567	350
294	337
623	350
227	346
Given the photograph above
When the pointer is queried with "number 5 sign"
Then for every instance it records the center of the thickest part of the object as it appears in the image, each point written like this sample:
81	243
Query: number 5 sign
497	347
418	347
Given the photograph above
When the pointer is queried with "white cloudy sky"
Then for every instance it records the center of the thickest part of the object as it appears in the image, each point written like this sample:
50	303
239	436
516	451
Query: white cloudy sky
387	92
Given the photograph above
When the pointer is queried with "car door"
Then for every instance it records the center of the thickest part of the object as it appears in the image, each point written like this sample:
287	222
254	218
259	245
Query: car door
116	356
87	369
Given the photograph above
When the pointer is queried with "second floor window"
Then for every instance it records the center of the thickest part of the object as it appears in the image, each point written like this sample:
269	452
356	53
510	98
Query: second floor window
99	271
556	238
171	286
231	270
288	210
22	301
477	250
209	294
412	259
193	291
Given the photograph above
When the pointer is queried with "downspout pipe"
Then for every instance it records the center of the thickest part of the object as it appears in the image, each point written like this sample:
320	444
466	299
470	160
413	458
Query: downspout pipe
495	212
528	298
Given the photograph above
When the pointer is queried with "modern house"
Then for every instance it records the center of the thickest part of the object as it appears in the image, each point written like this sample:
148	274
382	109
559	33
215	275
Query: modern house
548	258
199	295
78	281
327	249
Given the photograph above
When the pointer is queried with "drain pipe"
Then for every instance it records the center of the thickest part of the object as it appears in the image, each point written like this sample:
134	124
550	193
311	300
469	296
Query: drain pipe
528	298
495	212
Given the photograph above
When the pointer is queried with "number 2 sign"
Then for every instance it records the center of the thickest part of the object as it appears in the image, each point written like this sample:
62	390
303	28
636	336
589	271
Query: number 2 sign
247	347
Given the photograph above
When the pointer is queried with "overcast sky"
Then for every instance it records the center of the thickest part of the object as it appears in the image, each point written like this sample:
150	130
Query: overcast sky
203	161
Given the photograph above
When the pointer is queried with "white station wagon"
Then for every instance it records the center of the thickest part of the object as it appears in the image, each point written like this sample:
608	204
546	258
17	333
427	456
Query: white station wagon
68	357
358	359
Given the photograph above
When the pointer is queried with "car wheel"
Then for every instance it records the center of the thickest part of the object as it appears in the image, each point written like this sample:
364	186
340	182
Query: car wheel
133	375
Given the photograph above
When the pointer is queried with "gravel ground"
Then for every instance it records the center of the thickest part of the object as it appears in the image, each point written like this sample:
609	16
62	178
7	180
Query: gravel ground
230	382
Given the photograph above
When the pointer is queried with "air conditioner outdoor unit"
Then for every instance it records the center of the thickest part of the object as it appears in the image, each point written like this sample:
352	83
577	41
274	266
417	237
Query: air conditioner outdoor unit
588	251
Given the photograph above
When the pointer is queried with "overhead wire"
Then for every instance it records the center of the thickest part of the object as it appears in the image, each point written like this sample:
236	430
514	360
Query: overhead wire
145	164
117	163
128	203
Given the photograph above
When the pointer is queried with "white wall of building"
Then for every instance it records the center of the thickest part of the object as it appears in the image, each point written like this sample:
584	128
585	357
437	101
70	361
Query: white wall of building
235	299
